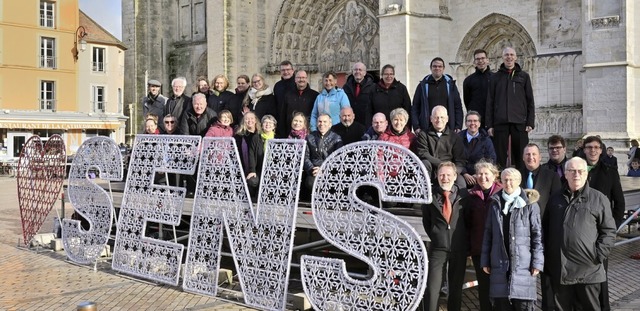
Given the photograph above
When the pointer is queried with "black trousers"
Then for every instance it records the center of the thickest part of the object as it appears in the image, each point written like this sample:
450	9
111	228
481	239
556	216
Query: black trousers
483	285
604	289
506	304
548	303
519	139
571	297
457	265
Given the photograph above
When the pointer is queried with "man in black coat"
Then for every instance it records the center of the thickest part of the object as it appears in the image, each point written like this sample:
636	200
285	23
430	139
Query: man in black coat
178	103
475	86
557	147
286	83
153	102
198	118
510	109
579	233
547	183
300	99
440	144
360	88
444	224
349	130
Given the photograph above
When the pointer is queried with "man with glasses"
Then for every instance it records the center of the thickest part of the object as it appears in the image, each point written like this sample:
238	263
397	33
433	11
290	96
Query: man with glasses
475	86
557	148
578	233
286	84
298	99
606	180
436	89
477	145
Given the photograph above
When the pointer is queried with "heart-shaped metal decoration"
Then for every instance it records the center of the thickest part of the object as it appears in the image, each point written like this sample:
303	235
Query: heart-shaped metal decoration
41	171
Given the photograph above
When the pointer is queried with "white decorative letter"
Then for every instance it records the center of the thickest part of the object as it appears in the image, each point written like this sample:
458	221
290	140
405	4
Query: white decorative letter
90	200
262	239
145	201
390	246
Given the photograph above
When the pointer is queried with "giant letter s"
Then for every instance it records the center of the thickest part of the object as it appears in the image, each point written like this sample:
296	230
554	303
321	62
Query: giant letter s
390	246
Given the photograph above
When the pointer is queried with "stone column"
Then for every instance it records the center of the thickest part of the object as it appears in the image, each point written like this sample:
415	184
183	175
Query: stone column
611	79
410	36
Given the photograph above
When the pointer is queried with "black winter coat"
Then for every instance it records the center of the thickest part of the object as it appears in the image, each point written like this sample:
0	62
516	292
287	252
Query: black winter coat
154	105
220	102
176	106
448	147
474	91
361	105
445	236
421	109
578	236
319	147
349	134
192	125
386	100
265	105
607	180
510	98
235	106
295	102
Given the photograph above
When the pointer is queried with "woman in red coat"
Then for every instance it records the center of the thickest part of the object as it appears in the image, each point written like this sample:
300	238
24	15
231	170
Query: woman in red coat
399	132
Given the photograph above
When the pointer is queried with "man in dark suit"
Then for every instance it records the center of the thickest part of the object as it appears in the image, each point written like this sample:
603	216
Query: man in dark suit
546	182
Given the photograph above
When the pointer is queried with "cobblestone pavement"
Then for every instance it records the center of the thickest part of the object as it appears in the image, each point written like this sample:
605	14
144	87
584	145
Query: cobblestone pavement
41	279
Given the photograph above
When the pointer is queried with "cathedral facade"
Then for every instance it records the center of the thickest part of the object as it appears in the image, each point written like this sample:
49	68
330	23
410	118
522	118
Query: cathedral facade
581	54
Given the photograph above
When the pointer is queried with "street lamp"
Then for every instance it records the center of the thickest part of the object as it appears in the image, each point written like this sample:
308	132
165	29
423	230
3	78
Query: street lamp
81	32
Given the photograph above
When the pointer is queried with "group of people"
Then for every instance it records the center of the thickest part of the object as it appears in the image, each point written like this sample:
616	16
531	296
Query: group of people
555	219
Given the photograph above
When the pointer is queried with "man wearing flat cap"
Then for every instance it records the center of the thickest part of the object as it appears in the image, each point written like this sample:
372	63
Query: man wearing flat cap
154	102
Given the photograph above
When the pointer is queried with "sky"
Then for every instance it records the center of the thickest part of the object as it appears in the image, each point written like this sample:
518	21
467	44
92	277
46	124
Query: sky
107	13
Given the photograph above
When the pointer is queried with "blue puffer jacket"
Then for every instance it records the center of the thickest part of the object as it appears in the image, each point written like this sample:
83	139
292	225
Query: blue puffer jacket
525	244
330	103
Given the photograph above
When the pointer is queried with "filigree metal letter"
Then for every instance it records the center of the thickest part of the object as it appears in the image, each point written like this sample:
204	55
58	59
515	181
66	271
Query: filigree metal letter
389	245
90	200
261	239
143	201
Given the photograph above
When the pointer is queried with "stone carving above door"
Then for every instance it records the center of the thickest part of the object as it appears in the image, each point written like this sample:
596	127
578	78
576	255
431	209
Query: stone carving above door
326	35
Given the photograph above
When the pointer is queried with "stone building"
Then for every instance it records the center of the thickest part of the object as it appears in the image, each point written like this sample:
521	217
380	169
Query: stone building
581	54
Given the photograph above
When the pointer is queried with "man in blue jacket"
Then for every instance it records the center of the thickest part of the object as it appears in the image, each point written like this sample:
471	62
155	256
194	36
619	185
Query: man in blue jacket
436	89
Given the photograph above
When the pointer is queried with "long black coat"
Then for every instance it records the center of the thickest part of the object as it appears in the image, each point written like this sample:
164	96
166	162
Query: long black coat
607	180
445	236
510	98
294	101
362	104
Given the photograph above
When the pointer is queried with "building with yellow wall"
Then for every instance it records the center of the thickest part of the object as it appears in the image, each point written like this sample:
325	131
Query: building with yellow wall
54	80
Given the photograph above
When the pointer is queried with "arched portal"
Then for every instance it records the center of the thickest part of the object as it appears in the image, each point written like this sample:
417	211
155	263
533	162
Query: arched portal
493	33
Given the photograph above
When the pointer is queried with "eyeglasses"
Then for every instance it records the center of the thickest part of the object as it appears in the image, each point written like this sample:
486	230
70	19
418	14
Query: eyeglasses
555	148
169	122
481	58
388	74
256	81
592	147
574	171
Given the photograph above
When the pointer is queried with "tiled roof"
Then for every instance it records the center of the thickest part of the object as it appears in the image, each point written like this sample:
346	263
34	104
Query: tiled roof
97	34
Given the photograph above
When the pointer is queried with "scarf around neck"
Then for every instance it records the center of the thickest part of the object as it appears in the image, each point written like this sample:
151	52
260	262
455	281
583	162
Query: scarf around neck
298	134
512	201
255	95
266	137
